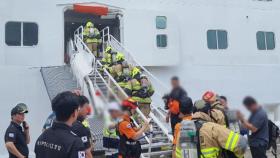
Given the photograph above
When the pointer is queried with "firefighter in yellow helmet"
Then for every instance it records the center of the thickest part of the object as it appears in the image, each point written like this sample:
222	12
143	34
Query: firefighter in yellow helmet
92	37
121	73
111	57
141	90
202	139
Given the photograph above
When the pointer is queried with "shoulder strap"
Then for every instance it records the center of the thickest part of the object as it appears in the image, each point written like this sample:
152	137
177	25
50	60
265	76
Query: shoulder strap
198	125
211	116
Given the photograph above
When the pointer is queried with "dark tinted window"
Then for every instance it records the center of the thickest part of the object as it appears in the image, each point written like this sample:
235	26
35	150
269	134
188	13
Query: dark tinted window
161	40
30	34
270	40
261	40
217	39
161	22
13	33
222	39
211	39
265	40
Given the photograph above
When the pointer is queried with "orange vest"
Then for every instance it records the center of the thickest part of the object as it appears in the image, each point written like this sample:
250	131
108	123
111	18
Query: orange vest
174	106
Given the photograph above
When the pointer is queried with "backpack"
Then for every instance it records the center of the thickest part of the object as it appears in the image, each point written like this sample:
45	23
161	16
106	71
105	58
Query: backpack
274	133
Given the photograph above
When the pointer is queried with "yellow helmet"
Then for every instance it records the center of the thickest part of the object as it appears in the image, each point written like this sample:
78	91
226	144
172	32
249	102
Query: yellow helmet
120	56
135	71
89	24
108	49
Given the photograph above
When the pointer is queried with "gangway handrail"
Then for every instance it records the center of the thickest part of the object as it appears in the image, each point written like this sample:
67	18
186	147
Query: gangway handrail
110	37
139	65
129	55
112	79
81	46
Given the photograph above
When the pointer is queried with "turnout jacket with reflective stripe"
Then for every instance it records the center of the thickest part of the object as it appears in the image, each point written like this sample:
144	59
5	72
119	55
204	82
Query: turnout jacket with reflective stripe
213	138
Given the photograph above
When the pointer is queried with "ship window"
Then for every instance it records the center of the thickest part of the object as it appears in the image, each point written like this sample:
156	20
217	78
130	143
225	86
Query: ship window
30	34
265	40
161	22
162	40
13	33
217	39
21	34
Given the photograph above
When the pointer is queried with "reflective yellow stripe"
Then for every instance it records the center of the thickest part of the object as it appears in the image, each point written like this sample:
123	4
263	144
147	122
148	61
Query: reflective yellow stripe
210	153
231	141
234	143
178	152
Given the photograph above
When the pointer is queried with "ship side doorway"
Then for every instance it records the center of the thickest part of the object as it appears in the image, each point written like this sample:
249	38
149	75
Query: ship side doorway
74	19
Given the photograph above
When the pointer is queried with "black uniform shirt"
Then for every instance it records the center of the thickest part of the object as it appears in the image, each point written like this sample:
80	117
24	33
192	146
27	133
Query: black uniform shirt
82	132
59	142
15	134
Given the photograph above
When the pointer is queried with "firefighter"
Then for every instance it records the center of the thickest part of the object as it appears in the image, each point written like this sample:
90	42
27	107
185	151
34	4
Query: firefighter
201	139
218	114
140	89
111	57
92	37
210	115
212	98
129	146
112	60
122	74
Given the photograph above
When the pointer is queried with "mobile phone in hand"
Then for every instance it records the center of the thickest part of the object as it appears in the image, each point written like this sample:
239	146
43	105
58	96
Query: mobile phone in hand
25	126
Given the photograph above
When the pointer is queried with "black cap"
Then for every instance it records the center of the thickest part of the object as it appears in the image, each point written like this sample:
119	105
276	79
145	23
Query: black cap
186	105
19	109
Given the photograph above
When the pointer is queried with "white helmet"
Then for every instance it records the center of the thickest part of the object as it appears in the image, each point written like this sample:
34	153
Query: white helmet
114	106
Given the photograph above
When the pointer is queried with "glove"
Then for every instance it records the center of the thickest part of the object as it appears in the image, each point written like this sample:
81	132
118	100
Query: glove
165	99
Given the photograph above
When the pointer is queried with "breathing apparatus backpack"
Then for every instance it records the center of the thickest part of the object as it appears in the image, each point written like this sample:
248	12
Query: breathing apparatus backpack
189	138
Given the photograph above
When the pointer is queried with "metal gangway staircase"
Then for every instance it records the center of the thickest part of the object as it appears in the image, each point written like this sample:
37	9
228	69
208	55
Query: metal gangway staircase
98	84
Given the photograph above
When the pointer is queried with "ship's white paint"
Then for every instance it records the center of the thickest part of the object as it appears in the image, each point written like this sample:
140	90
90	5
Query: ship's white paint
240	70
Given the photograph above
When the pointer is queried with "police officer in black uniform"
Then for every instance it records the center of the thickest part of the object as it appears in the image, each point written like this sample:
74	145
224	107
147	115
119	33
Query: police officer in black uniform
81	127
59	141
17	134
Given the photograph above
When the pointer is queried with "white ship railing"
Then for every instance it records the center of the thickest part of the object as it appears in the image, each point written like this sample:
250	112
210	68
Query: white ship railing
88	66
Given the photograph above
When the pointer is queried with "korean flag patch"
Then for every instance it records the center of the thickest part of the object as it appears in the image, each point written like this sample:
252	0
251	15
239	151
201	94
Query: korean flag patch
11	135
81	154
84	139
128	126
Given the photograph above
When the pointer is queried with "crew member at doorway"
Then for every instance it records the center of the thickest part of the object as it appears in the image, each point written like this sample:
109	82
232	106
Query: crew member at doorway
92	37
257	126
17	135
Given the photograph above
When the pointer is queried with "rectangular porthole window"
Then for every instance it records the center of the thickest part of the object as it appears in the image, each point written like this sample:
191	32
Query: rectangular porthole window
21	34
265	40
161	22
217	39
162	41
13	33
30	34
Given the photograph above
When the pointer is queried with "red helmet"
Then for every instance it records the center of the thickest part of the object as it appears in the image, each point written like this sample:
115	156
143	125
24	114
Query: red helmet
209	96
130	103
